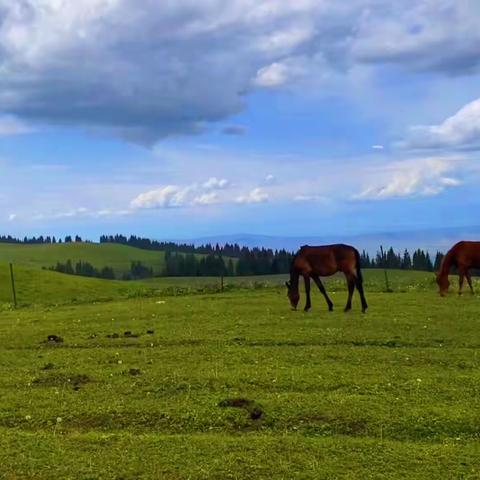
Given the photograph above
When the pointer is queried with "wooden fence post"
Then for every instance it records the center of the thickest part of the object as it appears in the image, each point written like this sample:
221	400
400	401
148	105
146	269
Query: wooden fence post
12	279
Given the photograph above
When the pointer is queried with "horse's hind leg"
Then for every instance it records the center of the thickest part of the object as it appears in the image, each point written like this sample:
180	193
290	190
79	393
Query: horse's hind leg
320	286
359	285
308	303
469	280
461	276
351	288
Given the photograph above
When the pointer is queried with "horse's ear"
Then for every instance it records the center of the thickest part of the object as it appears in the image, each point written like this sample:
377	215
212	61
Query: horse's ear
288	284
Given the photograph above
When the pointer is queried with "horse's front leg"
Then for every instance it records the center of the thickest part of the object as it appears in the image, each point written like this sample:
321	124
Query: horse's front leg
320	286
308	303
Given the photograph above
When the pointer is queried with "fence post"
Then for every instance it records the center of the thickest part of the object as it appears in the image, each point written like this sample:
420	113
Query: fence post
384	261
12	279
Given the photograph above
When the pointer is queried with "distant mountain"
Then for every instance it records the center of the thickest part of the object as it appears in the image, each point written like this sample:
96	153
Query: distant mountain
428	239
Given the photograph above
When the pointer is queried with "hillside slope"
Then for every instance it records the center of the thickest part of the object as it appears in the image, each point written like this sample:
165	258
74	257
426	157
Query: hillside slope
42	287
100	255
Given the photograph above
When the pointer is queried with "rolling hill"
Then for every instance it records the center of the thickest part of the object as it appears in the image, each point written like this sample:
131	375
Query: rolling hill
100	255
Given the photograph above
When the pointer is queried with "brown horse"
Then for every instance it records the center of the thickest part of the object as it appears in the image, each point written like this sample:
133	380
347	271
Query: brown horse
323	261
463	255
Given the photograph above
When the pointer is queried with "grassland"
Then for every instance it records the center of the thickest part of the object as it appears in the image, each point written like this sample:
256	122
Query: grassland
390	394
37	287
100	255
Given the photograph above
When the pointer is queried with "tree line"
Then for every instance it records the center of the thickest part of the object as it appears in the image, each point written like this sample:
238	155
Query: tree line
86	269
419	260
41	239
182	259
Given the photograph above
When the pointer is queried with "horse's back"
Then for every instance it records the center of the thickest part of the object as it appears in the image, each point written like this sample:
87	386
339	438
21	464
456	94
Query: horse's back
466	252
325	260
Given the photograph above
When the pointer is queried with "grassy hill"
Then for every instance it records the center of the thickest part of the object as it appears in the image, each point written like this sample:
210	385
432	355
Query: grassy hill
100	255
42	287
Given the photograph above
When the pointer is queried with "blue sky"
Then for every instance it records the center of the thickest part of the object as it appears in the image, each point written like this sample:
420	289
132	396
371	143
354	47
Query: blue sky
186	119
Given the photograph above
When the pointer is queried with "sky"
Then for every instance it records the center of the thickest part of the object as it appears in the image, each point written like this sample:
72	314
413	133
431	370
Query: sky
185	119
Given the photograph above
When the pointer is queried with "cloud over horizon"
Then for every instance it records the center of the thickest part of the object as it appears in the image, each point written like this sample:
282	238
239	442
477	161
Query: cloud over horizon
414	177
461	130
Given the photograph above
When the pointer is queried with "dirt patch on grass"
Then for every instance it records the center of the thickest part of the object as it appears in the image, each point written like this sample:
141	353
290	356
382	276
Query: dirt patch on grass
251	406
331	423
76	380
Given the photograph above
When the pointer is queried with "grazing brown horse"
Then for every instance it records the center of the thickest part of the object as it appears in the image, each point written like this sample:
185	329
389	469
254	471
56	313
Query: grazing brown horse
315	262
463	255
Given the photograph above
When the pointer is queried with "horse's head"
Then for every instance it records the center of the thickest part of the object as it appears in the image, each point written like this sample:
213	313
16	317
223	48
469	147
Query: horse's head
443	284
292	295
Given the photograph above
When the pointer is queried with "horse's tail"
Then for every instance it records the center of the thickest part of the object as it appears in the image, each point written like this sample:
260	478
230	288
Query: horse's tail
359	271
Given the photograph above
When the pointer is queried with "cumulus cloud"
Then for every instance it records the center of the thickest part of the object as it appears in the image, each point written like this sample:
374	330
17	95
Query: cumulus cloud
174	196
461	130
145	70
207	199
415	177
169	196
214	183
257	195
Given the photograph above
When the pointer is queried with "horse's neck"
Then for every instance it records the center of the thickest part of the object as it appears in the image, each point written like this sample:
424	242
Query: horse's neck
446	264
294	276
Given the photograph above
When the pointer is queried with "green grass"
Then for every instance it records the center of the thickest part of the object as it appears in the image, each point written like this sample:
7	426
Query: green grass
42	287
390	394
100	255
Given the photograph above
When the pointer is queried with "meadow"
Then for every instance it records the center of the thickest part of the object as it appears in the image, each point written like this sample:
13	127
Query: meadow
100	255
138	378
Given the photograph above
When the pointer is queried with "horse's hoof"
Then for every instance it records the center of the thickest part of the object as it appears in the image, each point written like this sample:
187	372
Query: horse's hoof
306	309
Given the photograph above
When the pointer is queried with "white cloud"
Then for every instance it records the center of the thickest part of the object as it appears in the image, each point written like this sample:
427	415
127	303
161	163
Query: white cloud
415	177
257	195
272	75
270	179
214	183
165	68
309	198
169	196
378	147
80	212
461	130
12	217
207	199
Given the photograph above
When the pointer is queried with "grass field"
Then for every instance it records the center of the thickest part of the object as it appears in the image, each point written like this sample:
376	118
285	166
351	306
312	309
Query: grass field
100	255
40	287
390	394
